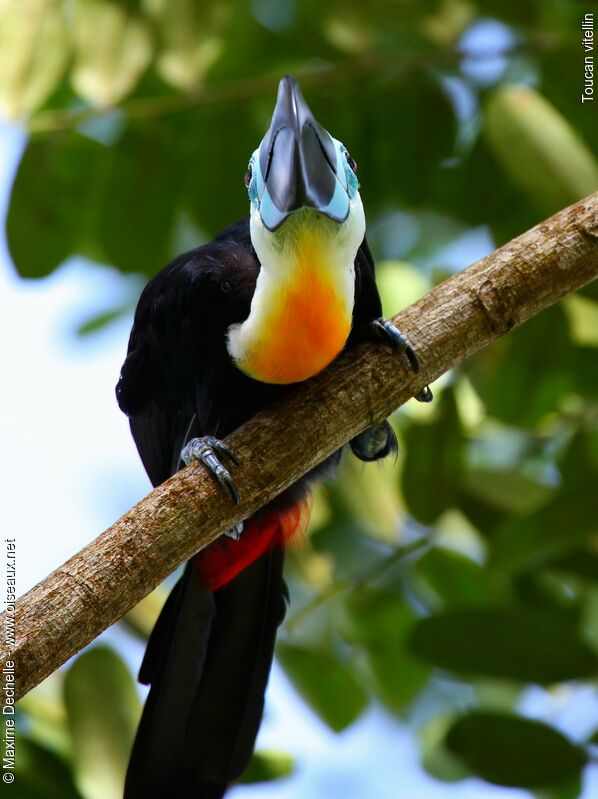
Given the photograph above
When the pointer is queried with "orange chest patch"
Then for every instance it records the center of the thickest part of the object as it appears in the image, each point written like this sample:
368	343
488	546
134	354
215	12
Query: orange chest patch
306	325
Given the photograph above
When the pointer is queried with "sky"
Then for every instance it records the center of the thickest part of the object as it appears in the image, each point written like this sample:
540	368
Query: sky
69	469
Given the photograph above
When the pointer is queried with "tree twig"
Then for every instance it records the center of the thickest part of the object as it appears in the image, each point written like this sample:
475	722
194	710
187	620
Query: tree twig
97	586
378	569
239	91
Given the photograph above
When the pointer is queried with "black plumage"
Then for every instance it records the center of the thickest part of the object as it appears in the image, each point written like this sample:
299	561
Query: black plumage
209	655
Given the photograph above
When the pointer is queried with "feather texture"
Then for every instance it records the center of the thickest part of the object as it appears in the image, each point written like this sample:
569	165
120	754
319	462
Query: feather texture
210	653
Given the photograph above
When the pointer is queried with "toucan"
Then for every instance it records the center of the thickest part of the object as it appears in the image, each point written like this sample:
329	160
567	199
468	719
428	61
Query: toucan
218	334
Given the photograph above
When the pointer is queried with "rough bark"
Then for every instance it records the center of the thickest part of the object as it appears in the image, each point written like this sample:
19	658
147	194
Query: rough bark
465	313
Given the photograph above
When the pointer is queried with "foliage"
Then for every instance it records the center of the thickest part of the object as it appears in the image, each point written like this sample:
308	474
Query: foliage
138	146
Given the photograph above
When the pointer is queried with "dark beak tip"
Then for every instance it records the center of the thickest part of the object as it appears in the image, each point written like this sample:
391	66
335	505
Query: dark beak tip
287	89
297	156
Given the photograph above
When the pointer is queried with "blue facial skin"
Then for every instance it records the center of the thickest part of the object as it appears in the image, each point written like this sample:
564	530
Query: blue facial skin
347	186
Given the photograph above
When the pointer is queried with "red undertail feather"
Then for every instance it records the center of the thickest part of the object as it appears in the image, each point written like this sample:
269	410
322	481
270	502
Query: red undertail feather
225	558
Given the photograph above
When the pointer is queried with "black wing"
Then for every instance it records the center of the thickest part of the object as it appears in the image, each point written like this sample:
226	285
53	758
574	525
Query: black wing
177	379
209	656
367	300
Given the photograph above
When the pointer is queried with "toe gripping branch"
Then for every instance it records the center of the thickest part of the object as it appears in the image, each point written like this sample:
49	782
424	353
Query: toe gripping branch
387	331
207	449
375	443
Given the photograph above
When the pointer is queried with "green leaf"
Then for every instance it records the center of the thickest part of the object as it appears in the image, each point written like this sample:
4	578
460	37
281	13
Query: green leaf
346	541
100	321
455	191
405	105
562	525
326	683
350	29
560	72
43	709
33	54
567	521
266	766
54	194
40	773
140	201
447	21
590	616
454	578
513	751
380	622
538	148
488	520
436	758
581	562
513	643
399	283
507	489
371	496
591	290
190	38
103	711
502	377
433	462
568	789
142	618
108	65
583	319
586	375
215	151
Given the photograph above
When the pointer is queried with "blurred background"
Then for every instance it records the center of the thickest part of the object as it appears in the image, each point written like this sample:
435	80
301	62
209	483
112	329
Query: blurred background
442	640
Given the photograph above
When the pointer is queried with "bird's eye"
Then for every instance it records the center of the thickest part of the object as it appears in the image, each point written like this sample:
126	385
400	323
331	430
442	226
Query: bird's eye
351	161
248	175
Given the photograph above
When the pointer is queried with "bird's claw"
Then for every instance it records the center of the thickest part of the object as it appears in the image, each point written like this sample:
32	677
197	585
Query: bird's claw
386	330
235	532
425	395
207	449
375	442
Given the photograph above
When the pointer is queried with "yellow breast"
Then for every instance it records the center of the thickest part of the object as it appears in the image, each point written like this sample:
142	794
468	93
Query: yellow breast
300	320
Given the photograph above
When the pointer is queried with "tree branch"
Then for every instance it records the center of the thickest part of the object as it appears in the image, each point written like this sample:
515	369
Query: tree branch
238	91
97	586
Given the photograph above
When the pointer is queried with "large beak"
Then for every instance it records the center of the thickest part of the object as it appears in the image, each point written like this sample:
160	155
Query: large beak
298	161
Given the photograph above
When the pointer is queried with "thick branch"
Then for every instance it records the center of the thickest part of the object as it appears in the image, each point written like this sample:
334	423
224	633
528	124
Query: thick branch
459	317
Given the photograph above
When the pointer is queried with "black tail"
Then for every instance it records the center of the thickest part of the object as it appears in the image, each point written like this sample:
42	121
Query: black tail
208	661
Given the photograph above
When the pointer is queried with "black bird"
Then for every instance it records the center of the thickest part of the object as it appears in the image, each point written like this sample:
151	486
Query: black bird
218	334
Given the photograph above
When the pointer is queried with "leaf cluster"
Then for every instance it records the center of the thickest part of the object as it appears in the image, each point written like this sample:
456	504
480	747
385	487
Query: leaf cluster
445	586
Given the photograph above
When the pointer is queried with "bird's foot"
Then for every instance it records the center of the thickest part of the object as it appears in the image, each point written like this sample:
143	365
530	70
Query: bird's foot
375	443
207	449
386	330
235	532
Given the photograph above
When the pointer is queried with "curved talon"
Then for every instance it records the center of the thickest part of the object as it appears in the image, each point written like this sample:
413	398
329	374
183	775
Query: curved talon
375	442
204	449
386	329
425	395
221	447
225	479
412	358
235	532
